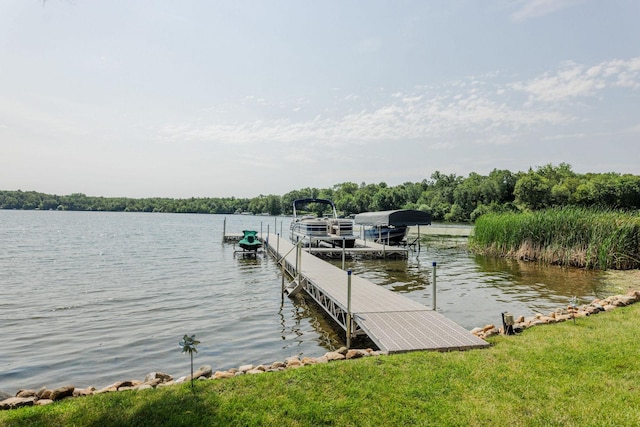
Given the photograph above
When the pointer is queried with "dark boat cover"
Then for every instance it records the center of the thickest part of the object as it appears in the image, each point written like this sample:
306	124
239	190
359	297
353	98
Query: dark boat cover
396	218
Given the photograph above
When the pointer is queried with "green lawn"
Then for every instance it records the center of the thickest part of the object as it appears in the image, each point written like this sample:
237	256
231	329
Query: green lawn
583	374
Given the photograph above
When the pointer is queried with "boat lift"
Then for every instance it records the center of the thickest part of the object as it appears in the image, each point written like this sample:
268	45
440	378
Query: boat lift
395	218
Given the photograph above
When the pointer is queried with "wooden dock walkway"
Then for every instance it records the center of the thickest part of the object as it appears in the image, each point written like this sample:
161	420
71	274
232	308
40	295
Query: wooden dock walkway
393	322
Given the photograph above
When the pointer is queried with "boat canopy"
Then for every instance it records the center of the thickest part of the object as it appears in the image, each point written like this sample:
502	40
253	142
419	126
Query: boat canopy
396	218
302	203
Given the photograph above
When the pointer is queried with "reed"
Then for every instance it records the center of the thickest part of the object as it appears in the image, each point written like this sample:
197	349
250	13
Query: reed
570	236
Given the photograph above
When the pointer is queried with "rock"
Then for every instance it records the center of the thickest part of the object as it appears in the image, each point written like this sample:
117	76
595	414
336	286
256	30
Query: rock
254	371
107	389
308	361
144	386
83	391
17	402
153	382
117	386
245	368
42	402
124	385
203	371
293	361
626	300
334	355
342	350
223	374
488	328
355	354
44	393
25	393
547	319
62	392
277	365
160	377
591	310
634	293
491	332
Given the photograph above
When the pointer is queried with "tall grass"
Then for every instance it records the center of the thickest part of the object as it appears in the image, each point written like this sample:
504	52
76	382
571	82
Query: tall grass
604	239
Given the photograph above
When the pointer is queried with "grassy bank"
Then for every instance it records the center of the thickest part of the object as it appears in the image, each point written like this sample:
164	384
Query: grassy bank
582	374
569	237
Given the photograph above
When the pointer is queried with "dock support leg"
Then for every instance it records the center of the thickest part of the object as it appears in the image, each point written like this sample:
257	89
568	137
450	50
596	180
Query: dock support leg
433	286
349	309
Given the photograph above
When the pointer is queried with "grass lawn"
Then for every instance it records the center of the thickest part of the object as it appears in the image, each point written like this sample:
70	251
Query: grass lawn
583	374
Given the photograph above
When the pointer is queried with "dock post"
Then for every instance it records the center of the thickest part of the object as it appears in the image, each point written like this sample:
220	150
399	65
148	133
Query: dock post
298	260
281	261
349	308
343	250
224	228
433	286
266	239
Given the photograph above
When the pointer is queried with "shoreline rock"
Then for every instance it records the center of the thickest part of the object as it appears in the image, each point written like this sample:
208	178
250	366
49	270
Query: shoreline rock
46	396
562	314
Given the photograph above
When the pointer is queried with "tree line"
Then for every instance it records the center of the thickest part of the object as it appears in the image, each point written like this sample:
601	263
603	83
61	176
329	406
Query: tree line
446	197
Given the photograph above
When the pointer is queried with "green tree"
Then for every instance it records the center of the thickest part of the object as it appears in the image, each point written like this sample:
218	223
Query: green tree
532	191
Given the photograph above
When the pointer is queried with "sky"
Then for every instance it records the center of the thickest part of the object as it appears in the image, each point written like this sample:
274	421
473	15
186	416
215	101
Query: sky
158	98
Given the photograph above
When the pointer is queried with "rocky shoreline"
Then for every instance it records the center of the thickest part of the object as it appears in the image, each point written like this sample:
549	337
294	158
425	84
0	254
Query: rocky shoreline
562	314
45	396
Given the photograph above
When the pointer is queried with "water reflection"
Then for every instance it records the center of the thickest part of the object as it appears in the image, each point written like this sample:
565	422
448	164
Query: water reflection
548	280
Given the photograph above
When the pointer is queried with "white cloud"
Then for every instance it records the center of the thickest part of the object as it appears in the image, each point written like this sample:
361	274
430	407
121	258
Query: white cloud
576	80
530	9
401	116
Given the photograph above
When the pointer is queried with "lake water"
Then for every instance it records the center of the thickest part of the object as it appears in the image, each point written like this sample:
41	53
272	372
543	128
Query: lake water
90	298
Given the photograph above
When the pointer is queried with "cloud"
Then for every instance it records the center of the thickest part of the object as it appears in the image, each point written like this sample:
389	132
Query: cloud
576	80
415	116
480	109
531	9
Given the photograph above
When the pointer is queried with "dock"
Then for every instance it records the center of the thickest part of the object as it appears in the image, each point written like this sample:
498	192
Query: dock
393	322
